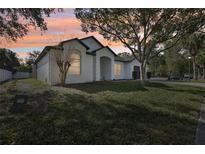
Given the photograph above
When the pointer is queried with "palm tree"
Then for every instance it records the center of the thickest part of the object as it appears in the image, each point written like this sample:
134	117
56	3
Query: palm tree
194	43
200	60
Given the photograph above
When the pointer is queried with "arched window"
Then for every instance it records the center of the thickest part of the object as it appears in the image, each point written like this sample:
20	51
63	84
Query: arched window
75	64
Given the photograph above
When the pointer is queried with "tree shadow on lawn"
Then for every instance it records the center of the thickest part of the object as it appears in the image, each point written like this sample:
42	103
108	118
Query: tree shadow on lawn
128	86
131	86
178	88
79	120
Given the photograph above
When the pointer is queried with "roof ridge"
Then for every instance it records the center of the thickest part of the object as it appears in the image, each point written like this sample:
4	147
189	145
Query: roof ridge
75	39
86	37
94	39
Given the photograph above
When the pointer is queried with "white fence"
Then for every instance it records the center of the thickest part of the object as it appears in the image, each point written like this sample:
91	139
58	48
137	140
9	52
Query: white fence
5	75
21	75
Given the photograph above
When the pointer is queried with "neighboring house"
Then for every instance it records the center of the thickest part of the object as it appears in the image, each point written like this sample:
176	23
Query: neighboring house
93	62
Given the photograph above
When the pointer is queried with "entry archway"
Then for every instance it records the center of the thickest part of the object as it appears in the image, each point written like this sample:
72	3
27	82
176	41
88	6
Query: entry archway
105	68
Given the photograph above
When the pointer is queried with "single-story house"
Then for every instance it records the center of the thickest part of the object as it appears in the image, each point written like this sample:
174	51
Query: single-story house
93	62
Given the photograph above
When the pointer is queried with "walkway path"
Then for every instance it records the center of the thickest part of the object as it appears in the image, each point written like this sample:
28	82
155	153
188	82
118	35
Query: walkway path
200	132
196	84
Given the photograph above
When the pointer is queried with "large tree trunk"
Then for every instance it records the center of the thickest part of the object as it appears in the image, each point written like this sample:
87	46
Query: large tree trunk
198	72
62	78
194	68
143	72
204	72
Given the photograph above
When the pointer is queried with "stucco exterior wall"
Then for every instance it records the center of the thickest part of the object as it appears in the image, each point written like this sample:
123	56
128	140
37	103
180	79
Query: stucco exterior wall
129	67
86	65
122	74
43	69
103	53
90	65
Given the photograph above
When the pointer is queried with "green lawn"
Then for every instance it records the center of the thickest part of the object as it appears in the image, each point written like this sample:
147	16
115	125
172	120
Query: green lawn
198	81
101	113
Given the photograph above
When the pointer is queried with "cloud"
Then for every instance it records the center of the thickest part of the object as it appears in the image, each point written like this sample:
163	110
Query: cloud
22	54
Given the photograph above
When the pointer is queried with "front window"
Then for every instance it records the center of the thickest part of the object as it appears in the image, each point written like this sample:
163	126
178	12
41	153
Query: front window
118	69
75	64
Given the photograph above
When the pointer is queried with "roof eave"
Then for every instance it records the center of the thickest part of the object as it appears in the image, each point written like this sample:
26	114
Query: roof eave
45	50
61	43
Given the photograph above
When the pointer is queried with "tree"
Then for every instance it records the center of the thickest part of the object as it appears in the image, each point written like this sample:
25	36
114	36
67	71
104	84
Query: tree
24	68
200	60
32	57
64	60
194	43
27	65
124	54
176	62
142	31
158	66
8	59
15	23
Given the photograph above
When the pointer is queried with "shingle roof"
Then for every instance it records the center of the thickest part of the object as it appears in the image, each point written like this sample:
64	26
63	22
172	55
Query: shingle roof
76	40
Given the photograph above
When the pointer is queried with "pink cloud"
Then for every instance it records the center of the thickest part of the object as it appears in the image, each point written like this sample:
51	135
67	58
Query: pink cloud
22	54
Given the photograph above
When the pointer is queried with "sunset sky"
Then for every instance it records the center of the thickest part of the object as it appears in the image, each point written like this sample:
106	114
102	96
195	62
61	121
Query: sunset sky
61	26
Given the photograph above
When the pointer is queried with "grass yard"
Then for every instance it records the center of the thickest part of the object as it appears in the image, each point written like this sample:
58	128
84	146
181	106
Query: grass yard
100	113
198	81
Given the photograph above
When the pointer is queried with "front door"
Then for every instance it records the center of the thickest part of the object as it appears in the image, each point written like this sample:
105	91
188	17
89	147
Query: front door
136	72
105	68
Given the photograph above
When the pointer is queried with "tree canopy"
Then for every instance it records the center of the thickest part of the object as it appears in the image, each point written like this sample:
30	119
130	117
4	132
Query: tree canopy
193	43
15	23
32	57
142	31
8	59
200	58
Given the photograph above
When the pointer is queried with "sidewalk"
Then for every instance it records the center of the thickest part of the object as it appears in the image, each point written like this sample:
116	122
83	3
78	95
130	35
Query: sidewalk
200	132
195	84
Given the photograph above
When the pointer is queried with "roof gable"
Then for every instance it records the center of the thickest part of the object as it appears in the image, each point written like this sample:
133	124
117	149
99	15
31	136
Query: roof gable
75	39
45	50
106	47
92	43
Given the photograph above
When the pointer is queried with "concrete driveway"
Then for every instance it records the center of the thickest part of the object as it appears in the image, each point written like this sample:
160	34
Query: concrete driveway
195	84
200	132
